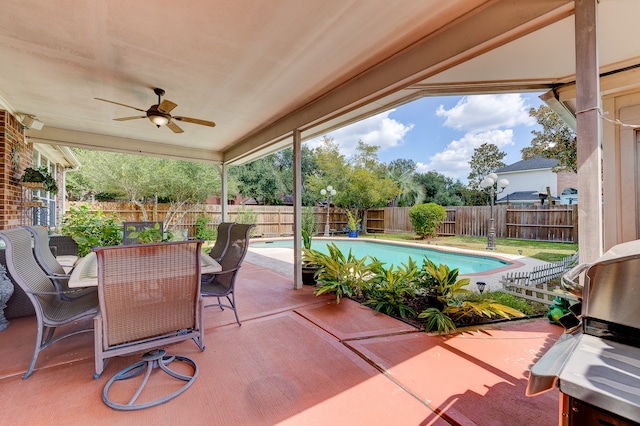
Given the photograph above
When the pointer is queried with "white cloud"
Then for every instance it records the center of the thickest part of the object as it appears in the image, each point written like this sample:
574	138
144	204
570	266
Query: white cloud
484	119
379	130
487	112
453	161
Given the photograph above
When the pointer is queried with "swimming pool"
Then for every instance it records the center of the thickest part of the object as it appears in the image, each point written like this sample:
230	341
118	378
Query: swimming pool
396	254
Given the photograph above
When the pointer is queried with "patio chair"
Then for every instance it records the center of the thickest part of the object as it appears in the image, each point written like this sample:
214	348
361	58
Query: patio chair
64	249
50	265
51	309
222	241
137	227
222	284
149	298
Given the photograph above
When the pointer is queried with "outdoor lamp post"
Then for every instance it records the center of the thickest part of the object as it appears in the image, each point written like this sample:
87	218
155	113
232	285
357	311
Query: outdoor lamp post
493	186
329	192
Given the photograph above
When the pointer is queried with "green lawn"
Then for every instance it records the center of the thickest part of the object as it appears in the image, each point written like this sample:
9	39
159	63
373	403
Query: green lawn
542	250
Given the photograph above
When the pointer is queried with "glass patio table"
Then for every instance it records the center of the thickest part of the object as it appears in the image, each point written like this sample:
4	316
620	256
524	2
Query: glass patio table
85	274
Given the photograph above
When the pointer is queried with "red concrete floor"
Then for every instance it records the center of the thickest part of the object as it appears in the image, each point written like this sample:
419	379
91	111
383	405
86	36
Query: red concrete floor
297	359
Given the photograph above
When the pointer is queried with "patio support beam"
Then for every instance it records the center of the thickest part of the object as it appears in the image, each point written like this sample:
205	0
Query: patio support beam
77	139
297	207
588	125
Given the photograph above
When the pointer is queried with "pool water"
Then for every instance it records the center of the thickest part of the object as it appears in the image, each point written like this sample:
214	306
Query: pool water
394	254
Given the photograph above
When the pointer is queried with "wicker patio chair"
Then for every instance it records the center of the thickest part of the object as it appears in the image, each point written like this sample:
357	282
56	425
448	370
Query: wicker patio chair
149	298
51	309
222	241
137	227
222	284
50	265
64	248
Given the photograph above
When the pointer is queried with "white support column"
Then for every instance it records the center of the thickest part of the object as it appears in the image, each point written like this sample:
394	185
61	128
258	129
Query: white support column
297	209
223	193
589	135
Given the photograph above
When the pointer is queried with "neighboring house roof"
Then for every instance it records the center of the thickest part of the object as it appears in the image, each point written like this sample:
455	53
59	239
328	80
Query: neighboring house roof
522	196
532	164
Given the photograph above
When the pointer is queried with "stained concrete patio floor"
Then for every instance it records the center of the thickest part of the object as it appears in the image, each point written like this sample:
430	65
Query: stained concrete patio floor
297	359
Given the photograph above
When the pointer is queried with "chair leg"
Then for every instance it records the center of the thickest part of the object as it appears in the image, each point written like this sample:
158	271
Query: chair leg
41	343
150	361
232	301
36	352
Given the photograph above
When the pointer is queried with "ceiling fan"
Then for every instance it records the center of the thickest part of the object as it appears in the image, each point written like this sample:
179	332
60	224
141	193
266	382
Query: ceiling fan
159	114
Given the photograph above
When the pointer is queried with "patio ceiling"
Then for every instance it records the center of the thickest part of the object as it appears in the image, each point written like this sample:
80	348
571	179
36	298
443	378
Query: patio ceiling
261	69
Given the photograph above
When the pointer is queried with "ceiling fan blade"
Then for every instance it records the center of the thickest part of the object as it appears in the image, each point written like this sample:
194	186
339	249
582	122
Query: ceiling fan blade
173	126
196	121
130	118
118	103
166	106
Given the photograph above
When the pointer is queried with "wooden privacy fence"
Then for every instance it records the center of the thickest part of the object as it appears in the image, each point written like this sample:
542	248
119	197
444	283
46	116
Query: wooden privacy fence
544	223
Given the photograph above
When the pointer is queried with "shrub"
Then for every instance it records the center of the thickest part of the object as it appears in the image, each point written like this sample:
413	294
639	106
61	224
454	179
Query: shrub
89	229
203	232
352	221
151	234
308	222
426	218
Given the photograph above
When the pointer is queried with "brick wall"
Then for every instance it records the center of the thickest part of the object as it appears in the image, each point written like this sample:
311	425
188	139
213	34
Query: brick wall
11	143
566	180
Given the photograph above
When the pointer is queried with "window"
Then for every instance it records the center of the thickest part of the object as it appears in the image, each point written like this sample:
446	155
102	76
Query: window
47	216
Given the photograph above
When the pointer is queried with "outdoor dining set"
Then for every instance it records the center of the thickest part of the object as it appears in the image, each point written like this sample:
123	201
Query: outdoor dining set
141	297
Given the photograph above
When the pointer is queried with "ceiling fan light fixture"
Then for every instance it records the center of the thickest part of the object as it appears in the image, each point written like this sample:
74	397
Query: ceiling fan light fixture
159	120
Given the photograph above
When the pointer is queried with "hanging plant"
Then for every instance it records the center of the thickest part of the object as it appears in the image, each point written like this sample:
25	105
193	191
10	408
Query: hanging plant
40	175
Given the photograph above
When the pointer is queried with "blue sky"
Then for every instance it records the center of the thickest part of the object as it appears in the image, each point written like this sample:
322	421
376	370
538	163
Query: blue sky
441	133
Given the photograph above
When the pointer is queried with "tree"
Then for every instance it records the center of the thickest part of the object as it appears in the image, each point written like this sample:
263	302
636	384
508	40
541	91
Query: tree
367	185
440	189
402	165
361	185
261	180
556	140
402	173
485	159
284	163
140	179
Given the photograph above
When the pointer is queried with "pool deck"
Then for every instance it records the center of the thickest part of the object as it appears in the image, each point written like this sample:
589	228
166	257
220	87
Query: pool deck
280	260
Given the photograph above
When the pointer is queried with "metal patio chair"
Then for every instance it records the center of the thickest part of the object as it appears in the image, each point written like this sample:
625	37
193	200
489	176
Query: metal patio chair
149	298
222	284
50	265
222	241
51	308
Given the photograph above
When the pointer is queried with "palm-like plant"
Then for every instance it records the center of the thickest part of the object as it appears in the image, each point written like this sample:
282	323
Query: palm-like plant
390	288
449	290
411	191
339	274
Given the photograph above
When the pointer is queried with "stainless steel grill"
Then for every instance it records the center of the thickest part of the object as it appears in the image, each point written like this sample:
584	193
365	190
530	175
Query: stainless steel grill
596	363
